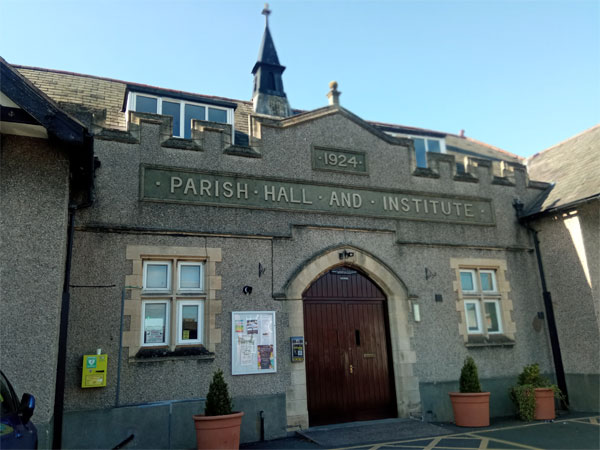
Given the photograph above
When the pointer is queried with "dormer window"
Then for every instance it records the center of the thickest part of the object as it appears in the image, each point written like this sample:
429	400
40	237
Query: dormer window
183	111
424	144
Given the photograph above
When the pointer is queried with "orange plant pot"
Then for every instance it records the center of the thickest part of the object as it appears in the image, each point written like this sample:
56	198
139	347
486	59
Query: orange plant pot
471	409
544	404
218	432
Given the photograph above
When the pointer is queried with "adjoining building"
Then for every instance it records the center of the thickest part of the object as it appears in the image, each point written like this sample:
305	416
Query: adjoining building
336	269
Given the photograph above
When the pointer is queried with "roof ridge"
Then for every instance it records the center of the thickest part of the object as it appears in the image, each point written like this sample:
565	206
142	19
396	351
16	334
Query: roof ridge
581	133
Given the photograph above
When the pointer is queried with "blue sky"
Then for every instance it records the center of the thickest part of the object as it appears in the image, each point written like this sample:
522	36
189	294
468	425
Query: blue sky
520	75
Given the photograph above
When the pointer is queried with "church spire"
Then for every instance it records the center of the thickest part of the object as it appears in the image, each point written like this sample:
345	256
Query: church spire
268	96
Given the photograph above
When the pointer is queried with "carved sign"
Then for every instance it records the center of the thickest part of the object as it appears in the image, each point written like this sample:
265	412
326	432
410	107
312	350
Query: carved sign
203	188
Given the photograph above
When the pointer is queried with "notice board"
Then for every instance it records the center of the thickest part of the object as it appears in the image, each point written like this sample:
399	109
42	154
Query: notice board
253	342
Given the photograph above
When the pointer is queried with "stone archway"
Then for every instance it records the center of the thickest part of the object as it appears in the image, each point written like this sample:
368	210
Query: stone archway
407	385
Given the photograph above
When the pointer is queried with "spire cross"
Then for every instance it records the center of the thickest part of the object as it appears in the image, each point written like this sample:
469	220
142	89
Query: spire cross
266	11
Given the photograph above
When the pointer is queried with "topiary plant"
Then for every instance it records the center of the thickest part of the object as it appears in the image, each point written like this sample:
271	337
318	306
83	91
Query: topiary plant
469	378
218	401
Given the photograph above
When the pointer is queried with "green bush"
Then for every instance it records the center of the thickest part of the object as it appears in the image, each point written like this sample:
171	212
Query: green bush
218	401
523	394
469	379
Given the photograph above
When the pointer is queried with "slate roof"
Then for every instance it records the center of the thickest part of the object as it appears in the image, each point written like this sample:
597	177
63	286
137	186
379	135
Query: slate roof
574	168
99	93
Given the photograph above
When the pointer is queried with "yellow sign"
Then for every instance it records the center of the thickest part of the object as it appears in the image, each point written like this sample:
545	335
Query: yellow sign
94	371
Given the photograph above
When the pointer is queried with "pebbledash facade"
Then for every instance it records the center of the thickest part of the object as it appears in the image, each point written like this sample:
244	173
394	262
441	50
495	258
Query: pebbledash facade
335	269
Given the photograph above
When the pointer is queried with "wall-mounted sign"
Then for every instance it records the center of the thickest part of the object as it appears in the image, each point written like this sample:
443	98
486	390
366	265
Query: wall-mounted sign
202	188
253	342
297	344
338	160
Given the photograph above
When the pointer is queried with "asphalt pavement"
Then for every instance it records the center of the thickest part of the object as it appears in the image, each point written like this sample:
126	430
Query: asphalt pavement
569	431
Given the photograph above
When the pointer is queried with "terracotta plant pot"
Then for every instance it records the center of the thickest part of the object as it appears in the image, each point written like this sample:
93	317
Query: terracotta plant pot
472	409
544	404
218	432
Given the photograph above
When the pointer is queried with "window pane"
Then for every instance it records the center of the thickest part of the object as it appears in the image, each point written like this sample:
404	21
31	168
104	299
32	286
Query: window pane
217	115
491	317
486	281
146	104
189	326
155	320
190	277
173	109
420	152
192	112
157	276
466	281
471	314
433	146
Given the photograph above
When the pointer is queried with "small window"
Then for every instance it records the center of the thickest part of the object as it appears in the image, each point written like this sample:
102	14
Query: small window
492	316
217	115
488	280
467	280
146	104
433	145
193	112
190	322
191	277
155	330
421	152
174	110
157	276
472	316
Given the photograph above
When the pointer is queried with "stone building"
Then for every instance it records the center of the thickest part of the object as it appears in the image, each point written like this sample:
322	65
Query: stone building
184	233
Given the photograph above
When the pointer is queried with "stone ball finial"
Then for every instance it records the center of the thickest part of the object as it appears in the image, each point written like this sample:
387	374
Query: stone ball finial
333	85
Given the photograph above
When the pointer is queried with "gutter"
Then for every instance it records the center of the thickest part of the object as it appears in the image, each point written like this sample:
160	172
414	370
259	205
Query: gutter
551	319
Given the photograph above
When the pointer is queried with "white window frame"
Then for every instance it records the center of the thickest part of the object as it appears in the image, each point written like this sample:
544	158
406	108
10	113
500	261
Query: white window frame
167	303
480	297
145	277
190	290
479	329
474	277
200	319
498	308
132	106
494	284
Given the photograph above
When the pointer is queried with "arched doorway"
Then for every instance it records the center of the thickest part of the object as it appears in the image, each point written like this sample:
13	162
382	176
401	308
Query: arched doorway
349	369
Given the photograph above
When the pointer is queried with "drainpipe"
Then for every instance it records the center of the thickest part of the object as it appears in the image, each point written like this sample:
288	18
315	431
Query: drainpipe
59	392
551	320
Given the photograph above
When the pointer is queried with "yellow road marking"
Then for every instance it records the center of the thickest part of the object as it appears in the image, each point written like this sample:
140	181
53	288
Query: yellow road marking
436	440
484	443
502	441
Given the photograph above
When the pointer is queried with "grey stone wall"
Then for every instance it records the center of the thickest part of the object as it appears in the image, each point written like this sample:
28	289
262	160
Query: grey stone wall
570	247
34	189
284	242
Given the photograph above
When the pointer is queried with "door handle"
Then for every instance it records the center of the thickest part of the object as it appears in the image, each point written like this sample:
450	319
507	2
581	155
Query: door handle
351	369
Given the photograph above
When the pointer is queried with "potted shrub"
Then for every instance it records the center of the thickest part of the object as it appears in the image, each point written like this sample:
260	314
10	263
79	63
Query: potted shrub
471	406
534	395
219	426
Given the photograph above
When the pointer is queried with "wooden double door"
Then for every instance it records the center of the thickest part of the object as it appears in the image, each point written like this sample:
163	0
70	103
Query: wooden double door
348	358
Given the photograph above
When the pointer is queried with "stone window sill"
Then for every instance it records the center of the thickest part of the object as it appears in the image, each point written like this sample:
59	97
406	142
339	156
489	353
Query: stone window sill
489	341
149	355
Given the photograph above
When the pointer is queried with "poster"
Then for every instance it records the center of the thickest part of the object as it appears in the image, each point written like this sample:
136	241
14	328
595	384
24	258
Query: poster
253	348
